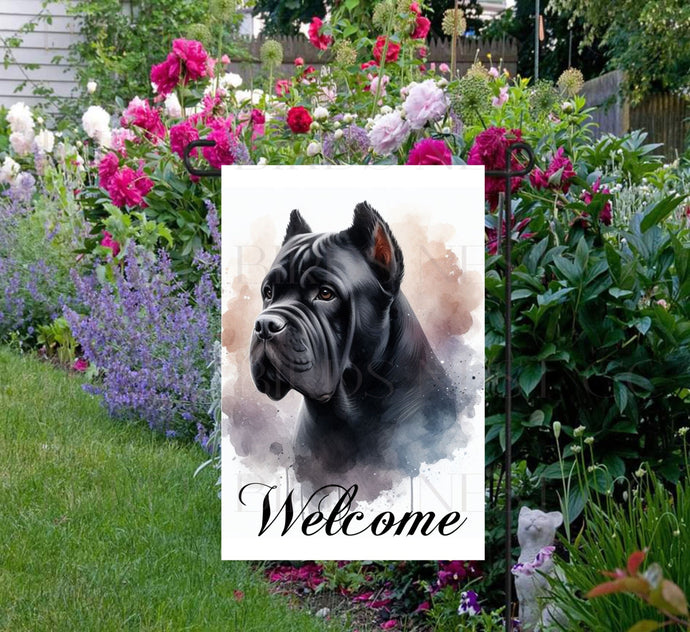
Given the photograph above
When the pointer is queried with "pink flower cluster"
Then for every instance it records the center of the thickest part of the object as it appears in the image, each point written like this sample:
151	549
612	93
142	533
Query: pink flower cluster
430	152
421	24
557	176
489	149
310	574
322	42
140	114
125	186
188	61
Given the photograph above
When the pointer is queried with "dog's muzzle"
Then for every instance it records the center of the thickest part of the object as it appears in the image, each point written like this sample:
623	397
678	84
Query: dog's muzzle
269	325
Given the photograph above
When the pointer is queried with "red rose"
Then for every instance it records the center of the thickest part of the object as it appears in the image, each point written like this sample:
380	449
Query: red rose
392	51
430	152
421	27
319	41
299	119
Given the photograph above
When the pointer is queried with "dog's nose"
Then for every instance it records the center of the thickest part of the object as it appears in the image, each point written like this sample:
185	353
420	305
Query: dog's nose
269	325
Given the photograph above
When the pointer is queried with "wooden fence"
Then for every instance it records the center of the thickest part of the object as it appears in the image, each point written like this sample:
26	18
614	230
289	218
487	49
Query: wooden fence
665	116
504	51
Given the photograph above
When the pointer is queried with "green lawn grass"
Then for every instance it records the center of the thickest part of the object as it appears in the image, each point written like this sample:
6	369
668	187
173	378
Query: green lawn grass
103	527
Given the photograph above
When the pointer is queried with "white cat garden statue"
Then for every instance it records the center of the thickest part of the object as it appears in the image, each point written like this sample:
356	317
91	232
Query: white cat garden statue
536	533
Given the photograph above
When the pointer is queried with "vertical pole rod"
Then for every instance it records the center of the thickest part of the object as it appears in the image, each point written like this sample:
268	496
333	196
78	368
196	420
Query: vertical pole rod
536	39
508	218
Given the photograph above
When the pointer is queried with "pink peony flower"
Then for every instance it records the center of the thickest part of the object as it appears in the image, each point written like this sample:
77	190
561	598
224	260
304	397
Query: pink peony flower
389	625
444	67
388	133
558	175
166	75
493	72
118	138
181	135
128	187
195	59
81	364
430	152
223	153
392	51
282	87
107	167
299	61
414	7
489	149
421	27
109	242
425	102
319	41
140	114
368	64
498	101
492	237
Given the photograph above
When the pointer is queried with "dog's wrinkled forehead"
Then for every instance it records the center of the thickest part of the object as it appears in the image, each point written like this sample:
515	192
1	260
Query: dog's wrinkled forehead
304	252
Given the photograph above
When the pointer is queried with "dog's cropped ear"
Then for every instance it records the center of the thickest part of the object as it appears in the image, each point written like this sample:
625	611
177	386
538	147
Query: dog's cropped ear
372	236
296	226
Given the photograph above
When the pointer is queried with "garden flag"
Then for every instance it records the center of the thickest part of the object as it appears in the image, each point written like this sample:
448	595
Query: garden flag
353	368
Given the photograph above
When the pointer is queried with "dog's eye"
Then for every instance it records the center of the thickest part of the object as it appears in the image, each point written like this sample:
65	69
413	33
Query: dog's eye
325	294
268	292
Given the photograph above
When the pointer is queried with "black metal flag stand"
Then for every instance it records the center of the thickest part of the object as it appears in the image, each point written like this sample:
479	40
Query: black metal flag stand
504	232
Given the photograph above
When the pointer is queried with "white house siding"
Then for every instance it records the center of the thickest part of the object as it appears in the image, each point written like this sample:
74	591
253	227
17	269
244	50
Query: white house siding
39	47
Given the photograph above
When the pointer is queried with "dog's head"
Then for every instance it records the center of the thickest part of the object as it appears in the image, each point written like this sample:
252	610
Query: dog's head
326	302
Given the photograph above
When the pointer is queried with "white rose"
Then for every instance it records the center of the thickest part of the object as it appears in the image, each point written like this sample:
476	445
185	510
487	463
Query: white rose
320	113
21	142
91	86
231	80
313	149
172	106
45	141
96	123
20	119
9	170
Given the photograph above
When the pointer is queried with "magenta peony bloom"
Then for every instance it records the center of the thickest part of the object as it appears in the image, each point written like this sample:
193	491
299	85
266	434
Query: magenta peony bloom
140	114
81	364
107	167
282	87
223	153
558	175
430	152
128	187
166	75
195	59
109	242
421	27
319	41
181	135
489	149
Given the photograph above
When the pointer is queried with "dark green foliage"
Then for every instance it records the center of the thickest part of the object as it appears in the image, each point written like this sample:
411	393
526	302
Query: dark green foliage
283	17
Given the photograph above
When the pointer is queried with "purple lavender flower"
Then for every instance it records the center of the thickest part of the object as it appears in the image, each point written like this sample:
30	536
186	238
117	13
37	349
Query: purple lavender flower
353	144
151	340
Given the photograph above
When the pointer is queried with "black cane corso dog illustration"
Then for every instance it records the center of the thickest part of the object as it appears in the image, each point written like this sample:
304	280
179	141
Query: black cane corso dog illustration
336	328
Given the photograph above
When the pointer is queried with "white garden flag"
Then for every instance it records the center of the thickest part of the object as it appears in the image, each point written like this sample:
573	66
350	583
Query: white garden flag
353	368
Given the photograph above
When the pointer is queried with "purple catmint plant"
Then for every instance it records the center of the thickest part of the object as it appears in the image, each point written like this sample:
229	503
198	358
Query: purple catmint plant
151	339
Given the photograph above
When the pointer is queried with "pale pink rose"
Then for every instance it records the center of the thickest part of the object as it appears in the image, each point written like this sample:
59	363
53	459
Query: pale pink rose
425	102
388	133
498	101
444	67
